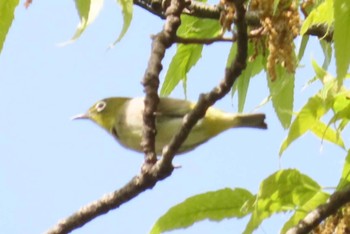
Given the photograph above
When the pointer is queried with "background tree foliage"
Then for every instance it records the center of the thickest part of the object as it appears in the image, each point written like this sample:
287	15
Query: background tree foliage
273	26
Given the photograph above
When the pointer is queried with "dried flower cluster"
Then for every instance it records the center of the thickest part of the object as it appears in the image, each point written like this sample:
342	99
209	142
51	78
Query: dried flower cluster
335	224
227	15
281	26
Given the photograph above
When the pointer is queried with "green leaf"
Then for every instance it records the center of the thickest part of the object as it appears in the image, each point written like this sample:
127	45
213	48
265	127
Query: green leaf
330	85
305	120
275	5
318	199
198	27
345	176
324	132
309	117
320	72
343	114
127	10
341	36
231	55
341	107
88	11
282	94
322	14
218	205
185	58
343	124
327	51
341	101
7	12
303	43
253	68
284	190
188	55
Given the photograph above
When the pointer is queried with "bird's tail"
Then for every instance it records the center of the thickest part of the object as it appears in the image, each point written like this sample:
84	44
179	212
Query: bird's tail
251	120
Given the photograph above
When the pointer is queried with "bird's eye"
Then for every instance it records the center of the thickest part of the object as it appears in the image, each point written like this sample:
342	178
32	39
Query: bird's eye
100	106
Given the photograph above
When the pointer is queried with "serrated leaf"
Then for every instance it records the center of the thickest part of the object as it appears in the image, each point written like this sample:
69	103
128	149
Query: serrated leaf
185	58
282	94
330	86
343	114
305	120
341	107
327	51
127	10
308	118
253	68
322	14
218	205
318	199
88	11
303	43
341	36
194	27
231	55
345	176
324	132
188	55
320	72
7	12
282	191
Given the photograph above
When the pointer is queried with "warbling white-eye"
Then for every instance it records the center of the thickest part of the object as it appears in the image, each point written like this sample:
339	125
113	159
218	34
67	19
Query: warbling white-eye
122	118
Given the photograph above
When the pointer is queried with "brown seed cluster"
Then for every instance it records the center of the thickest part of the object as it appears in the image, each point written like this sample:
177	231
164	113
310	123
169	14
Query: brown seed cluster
227	15
280	26
335	224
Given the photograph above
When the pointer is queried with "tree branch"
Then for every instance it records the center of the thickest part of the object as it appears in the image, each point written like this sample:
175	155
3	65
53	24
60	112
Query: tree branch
148	178
163	168
150	8
315	217
203	41
161	42
100	207
322	32
207	100
203	10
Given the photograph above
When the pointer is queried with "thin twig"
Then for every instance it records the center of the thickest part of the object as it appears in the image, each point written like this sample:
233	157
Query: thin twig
203	41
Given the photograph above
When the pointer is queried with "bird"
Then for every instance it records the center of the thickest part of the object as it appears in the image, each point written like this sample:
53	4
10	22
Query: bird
122	117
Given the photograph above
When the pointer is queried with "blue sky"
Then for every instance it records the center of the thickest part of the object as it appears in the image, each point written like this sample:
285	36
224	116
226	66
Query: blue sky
50	166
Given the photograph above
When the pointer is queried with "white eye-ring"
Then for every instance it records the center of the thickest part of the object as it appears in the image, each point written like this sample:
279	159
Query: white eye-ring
100	106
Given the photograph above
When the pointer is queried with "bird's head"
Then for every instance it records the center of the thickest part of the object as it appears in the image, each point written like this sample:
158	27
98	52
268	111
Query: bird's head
103	112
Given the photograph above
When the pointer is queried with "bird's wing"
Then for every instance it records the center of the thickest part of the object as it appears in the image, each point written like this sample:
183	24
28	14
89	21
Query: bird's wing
169	107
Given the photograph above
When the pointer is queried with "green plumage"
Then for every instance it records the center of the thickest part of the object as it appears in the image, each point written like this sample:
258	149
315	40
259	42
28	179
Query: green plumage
122	117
